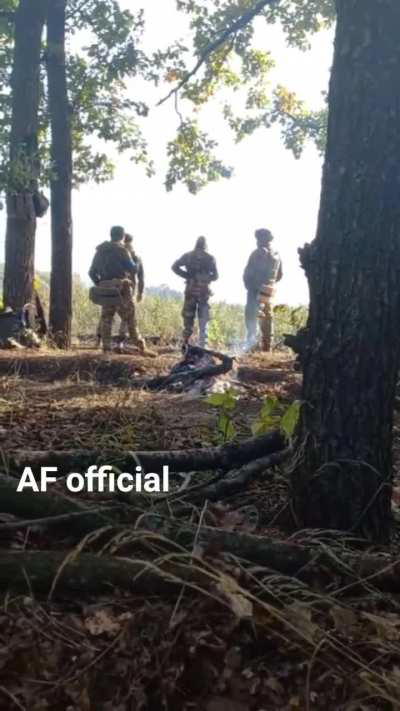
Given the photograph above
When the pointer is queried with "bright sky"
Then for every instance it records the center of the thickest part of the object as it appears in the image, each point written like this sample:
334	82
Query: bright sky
269	187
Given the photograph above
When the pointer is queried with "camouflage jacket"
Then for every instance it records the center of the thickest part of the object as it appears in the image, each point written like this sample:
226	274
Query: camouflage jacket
111	261
196	267
263	268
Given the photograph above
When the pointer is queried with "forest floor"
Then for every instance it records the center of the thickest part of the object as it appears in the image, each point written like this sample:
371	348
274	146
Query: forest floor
229	633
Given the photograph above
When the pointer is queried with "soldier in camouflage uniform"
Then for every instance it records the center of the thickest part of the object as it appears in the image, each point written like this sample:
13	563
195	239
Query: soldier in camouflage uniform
113	267
139	278
199	269
263	271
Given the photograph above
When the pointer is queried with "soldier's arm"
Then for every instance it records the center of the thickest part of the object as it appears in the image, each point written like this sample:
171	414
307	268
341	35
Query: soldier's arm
280	272
93	271
247	274
140	275
178	269
214	271
130	265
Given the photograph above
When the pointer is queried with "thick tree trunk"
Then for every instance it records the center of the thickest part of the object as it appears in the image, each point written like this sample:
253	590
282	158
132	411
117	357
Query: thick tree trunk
351	357
21	219
61	184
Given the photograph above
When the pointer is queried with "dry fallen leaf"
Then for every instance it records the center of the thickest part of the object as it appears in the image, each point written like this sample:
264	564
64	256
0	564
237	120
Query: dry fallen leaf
300	617
240	605
102	623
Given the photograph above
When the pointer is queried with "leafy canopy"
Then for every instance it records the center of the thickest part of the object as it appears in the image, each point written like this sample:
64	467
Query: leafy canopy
220	60
240	72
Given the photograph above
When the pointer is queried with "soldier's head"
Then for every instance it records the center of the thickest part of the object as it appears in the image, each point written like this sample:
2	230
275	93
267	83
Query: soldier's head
201	243
128	239
117	233
263	237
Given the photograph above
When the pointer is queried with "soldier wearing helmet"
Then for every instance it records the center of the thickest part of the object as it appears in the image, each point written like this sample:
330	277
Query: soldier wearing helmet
262	272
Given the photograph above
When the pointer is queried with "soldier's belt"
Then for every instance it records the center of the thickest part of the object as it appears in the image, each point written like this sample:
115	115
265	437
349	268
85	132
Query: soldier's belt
198	289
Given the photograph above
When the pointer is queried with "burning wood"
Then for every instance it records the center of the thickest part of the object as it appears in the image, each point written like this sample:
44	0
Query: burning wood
197	372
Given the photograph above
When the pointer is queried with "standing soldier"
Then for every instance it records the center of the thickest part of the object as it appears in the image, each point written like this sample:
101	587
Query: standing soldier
263	271
112	268
139	277
199	269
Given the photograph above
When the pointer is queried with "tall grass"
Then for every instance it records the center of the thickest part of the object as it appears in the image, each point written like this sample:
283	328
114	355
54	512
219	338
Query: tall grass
160	314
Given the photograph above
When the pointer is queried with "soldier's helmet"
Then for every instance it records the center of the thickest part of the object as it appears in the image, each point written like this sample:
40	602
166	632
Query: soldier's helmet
128	239
117	233
201	243
263	236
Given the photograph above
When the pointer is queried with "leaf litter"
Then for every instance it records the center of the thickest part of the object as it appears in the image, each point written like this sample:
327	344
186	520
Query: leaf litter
241	639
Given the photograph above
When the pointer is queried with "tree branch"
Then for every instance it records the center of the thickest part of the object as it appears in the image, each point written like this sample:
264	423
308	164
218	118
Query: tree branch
241	22
207	458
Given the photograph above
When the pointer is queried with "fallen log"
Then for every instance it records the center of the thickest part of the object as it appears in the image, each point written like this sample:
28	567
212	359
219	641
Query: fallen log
306	563
223	457
35	506
42	572
50	521
85	574
56	511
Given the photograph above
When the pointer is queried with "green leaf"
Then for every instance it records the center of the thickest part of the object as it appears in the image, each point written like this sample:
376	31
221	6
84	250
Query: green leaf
269	406
216	399
264	425
291	417
226	427
226	400
230	400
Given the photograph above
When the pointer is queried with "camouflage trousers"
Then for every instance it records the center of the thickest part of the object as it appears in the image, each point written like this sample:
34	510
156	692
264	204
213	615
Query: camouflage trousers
261	313
266	319
195	306
127	313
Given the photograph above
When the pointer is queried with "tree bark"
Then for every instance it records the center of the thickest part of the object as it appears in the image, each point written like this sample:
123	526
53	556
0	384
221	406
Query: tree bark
24	162
61	183
351	357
